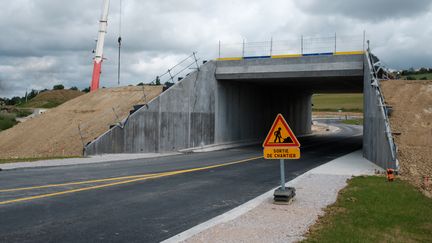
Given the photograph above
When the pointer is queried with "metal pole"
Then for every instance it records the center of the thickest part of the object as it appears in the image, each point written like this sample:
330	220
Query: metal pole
119	44
271	46
243	50
282	172
196	60
302	44
172	78
364	39
335	42
219	49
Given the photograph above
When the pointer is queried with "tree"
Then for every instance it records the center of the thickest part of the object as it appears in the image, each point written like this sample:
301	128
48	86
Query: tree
423	70
157	80
74	88
140	84
86	90
32	94
58	87
14	101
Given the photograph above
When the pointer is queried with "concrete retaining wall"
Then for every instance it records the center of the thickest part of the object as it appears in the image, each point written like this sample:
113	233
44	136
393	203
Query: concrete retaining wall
376	146
181	117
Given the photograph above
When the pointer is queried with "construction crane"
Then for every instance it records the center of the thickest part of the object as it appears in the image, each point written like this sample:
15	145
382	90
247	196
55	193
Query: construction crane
98	59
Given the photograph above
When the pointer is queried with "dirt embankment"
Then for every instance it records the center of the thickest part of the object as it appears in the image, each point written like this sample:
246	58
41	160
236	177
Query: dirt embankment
53	98
412	118
57	133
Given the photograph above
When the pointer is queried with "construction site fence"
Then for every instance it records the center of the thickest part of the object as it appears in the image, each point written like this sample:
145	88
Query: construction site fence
296	46
178	71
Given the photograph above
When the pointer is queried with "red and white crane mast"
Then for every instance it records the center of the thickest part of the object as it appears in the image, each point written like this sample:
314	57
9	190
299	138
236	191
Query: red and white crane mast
98	59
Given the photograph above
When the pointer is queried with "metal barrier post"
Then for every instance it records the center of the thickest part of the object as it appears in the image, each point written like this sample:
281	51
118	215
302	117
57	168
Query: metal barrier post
219	49
302	44
243	49
271	46
364	39
172	78
335	40
196	61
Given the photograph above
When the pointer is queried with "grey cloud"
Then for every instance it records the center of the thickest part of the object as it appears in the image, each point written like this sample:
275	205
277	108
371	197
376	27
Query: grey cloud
157	34
369	10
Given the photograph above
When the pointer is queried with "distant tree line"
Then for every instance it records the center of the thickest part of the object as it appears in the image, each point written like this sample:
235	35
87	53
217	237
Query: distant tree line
412	71
412	74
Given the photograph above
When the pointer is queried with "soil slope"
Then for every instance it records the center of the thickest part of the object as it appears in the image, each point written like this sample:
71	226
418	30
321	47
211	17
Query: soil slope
58	132
52	98
412	117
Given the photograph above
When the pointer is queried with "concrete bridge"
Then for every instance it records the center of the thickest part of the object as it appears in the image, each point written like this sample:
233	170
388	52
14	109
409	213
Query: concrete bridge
230	100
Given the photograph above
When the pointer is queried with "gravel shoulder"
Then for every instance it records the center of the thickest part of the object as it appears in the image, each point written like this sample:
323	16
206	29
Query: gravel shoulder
262	221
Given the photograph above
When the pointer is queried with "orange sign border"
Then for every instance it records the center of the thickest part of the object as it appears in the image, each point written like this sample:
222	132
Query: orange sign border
287	127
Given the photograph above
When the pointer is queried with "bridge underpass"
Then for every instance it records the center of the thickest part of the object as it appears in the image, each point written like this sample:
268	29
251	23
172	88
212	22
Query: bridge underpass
252	92
237	100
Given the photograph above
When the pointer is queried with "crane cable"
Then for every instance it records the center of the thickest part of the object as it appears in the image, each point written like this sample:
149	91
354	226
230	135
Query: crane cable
119	44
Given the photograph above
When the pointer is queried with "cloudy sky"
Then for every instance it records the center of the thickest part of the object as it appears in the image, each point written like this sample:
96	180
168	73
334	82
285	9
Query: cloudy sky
47	42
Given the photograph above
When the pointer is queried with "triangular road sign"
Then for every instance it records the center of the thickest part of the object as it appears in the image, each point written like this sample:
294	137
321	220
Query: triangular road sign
281	135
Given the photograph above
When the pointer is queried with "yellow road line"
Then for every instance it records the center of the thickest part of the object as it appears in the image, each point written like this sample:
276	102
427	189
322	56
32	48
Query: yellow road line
125	182
76	183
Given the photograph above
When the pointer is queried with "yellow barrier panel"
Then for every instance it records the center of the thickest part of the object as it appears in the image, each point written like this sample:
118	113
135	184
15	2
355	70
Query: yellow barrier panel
287	56
349	53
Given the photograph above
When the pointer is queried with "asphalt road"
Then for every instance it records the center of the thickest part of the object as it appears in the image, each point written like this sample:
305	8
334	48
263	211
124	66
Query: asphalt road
147	200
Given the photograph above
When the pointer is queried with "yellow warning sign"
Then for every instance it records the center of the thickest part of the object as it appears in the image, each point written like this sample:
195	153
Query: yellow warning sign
282	153
281	143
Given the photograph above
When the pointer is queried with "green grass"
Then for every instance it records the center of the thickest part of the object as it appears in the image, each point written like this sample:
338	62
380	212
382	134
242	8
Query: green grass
5	161
336	102
370	209
353	122
428	76
7	121
47	104
23	112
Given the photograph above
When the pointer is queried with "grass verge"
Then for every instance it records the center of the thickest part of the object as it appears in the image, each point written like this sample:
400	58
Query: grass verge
336	102
424	76
370	209
353	122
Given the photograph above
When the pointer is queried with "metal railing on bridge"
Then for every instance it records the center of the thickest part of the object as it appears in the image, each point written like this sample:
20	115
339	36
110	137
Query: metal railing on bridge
301	46
181	69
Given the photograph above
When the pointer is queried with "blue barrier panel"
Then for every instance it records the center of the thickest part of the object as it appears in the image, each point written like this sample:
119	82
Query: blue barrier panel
319	54
257	57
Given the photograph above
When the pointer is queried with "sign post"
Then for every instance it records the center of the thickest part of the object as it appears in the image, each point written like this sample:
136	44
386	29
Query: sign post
282	172
281	144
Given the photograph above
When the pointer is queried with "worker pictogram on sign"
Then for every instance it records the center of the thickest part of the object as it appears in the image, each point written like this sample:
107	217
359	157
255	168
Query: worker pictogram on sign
281	143
281	135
